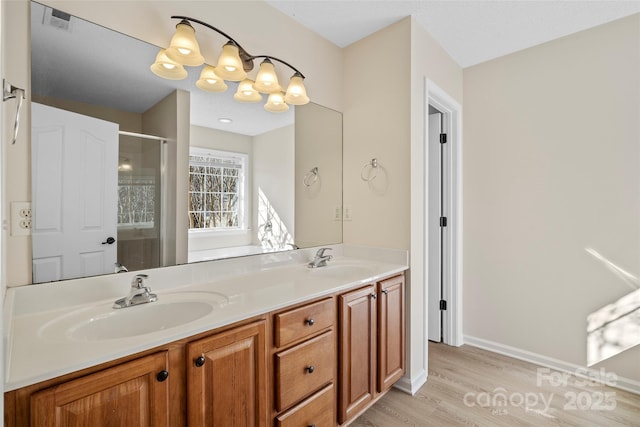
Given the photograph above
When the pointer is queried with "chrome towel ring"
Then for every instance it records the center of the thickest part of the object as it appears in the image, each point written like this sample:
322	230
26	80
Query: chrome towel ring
369	167
10	92
311	177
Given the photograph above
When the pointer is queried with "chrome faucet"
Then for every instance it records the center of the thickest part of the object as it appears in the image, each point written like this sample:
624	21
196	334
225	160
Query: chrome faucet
320	259
139	293
119	268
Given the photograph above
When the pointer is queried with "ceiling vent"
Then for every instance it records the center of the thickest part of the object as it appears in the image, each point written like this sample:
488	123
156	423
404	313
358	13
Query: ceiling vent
57	19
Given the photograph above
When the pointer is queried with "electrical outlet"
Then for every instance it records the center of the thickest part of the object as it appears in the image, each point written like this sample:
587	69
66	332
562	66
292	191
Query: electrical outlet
347	213
21	218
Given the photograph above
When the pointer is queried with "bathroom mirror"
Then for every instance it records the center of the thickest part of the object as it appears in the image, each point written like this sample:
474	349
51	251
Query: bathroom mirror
182	176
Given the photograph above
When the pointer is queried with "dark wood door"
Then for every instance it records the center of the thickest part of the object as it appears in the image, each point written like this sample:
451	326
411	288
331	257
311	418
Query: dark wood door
226	378
357	351
391	350
132	394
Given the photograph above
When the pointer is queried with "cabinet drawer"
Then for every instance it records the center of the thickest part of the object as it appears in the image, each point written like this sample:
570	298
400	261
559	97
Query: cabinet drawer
318	411
303	369
302	322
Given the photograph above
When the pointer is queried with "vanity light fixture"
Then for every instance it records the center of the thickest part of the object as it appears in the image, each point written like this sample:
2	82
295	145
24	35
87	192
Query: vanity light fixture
233	65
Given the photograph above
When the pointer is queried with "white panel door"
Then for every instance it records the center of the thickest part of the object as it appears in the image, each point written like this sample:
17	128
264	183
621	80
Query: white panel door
75	194
433	224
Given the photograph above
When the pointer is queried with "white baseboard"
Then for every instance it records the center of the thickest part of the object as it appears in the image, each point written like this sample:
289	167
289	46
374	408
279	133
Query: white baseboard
411	385
549	362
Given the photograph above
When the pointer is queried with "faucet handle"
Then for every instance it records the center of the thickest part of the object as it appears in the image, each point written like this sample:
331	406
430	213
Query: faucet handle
321	252
138	281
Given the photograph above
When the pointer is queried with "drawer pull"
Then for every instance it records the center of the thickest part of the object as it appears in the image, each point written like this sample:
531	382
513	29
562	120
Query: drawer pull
309	321
310	369
374	296
311	425
162	376
384	291
200	361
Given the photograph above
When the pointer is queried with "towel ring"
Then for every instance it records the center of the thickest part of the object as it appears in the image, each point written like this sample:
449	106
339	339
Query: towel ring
311	177
373	165
11	92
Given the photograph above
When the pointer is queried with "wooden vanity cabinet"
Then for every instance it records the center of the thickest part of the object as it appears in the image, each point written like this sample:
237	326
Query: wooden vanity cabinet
131	394
227	378
304	365
372	353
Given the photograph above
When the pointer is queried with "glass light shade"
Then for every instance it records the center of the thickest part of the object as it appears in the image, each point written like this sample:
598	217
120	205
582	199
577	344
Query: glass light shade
275	103
166	68
296	93
184	47
229	64
266	80
246	92
209	81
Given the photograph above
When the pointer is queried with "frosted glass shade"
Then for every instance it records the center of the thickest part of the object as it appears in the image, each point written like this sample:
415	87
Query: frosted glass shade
266	80
184	47
275	103
209	81
229	64
246	92
296	92
166	68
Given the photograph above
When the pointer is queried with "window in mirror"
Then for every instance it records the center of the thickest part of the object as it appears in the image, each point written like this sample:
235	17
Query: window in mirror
216	190
136	201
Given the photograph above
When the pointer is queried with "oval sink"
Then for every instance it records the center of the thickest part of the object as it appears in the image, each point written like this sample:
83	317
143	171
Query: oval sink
105	323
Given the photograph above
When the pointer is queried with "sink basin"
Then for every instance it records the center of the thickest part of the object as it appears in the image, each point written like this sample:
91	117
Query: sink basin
101	322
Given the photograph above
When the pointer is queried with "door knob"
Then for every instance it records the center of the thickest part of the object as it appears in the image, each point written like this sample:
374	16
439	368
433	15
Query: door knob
109	241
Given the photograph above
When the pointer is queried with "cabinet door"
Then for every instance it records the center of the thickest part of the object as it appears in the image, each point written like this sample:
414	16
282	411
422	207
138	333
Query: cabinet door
390	332
128	395
357	351
226	378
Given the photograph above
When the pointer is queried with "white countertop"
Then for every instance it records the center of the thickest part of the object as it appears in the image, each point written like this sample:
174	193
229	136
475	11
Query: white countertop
250	287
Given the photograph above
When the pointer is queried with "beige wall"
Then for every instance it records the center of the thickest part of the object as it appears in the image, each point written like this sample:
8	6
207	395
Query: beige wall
387	122
17	158
273	174
318	144
551	161
169	118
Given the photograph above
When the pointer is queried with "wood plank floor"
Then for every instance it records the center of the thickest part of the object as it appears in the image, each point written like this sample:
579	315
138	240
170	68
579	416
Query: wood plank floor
465	386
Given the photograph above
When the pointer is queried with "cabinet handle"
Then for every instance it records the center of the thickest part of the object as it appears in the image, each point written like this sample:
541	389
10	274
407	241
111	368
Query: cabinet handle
162	376
200	361
310	321
310	369
384	291
311	425
374	296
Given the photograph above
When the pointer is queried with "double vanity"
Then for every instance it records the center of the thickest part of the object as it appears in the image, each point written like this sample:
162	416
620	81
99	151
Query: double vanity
263	340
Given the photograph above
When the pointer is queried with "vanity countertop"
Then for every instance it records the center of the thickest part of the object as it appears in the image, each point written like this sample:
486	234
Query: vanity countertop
244	288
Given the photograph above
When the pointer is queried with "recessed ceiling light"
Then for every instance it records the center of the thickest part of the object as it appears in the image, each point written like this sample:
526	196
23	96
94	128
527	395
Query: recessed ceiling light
224	120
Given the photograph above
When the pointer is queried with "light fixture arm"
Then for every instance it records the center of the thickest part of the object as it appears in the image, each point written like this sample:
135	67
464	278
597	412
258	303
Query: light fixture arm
273	58
246	57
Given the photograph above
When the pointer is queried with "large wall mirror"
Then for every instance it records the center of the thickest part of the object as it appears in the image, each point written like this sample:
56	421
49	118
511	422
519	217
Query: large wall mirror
131	171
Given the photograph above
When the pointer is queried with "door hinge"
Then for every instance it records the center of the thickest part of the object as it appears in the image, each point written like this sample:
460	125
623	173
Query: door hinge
443	221
443	304
443	138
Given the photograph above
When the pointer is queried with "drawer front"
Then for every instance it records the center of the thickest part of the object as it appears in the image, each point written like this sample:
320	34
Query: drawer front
303	369
318	411
302	322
